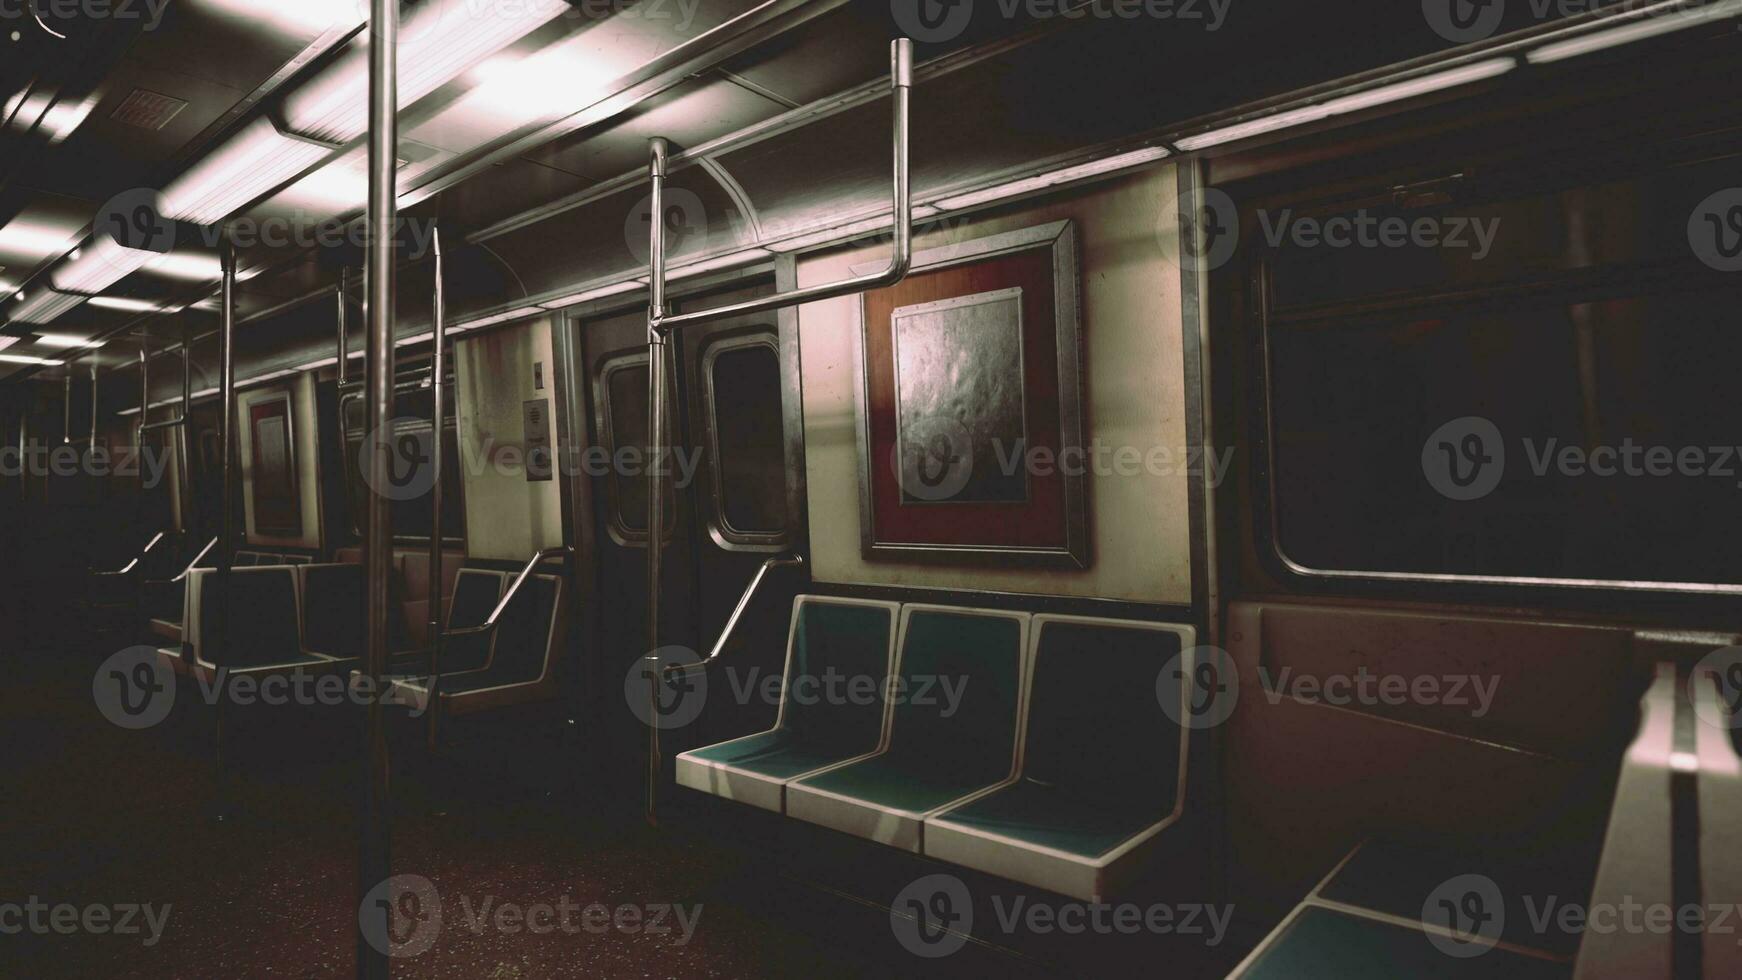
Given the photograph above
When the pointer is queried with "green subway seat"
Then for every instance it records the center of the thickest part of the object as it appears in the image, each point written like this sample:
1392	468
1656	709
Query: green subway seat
952	732
1102	766
1317	943
824	719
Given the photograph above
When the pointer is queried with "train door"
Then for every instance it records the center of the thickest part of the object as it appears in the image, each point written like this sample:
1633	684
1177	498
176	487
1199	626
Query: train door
726	513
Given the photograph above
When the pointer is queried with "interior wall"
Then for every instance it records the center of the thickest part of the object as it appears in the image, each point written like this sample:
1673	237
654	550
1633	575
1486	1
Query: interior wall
305	443
496	374
1133	378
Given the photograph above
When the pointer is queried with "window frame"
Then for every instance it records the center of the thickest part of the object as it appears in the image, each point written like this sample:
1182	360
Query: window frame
720	529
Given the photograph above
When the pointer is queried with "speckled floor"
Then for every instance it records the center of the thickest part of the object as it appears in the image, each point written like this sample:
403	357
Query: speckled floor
93	814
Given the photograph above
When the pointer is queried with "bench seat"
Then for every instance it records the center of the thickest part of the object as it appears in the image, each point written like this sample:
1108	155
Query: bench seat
848	639
937	753
1102	768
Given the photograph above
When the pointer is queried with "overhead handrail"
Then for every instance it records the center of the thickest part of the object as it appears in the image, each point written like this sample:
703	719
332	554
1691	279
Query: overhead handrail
668	671
660	323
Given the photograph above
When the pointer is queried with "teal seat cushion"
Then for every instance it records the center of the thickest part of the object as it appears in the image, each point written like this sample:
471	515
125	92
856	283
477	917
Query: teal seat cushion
1087	826
1095	727
777	754
954	722
838	652
1322	944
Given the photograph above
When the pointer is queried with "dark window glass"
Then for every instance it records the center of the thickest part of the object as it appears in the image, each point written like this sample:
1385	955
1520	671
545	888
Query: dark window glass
411	517
1557	408
749	436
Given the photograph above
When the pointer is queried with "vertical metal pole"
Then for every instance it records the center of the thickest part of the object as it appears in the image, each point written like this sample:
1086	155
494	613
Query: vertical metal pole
93	403
227	508
66	403
438	420
656	412
374	864
144	405
344	330
185	432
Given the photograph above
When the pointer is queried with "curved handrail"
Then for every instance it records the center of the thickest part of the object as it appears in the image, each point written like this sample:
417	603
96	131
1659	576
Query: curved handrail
489	625
195	563
155	540
789	561
655	678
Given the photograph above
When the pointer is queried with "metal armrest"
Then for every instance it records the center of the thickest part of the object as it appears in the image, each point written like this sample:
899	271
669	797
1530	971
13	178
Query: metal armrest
672	670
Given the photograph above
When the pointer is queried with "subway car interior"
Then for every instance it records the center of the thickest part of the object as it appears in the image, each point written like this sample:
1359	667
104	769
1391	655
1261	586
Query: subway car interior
741	488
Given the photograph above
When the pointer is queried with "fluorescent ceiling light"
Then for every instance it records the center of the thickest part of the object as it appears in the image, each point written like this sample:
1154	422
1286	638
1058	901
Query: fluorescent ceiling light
26	359
1646	27
194	267
1123	161
548	84
1372	98
439	41
35	238
102	265
731	261
846	232
324	362
300	17
255	161
64	340
45	306
523	312
126	305
58	121
7	341
596	293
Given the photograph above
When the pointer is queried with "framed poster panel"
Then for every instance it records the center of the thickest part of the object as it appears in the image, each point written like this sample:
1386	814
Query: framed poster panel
277	507
969	405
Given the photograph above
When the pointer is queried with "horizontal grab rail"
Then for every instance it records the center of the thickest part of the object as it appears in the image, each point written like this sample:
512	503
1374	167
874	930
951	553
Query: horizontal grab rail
165	424
755	586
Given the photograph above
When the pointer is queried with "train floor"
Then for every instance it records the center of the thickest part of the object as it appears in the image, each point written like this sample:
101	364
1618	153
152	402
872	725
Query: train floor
93	815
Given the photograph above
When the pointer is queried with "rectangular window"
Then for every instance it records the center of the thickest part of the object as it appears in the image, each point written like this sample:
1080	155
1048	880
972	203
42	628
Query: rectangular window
749	454
1556	403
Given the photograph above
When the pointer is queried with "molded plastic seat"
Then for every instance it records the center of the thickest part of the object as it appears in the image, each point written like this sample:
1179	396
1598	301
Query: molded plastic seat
831	641
516	667
264	631
1365	919
952	731
476	593
1102	771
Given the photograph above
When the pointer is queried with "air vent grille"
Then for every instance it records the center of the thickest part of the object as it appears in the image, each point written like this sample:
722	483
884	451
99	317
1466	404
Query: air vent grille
148	110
